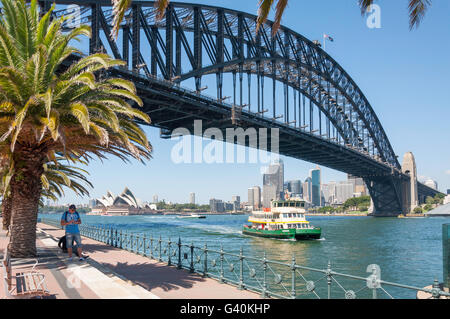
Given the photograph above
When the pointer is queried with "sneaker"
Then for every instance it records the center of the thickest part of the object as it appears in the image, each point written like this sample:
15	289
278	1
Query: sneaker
82	259
69	259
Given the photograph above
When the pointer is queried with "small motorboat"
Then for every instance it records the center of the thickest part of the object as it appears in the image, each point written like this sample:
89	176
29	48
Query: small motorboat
192	216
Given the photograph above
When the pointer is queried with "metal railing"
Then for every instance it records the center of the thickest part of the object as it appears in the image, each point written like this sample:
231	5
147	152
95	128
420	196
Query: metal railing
270	278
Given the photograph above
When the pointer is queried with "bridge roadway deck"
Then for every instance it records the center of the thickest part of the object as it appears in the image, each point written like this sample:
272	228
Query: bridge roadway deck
115	273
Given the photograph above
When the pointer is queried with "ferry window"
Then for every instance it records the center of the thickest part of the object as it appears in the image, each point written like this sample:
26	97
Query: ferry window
303	204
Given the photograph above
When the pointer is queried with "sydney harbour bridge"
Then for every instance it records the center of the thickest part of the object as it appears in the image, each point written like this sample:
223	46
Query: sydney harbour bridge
260	80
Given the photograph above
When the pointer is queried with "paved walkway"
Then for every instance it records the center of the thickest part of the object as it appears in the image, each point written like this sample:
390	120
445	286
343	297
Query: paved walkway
115	273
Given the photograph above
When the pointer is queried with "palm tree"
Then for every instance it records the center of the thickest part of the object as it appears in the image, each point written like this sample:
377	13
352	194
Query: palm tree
55	178
47	110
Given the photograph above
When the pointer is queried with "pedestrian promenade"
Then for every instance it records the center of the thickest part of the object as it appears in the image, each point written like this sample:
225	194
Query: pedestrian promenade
111	272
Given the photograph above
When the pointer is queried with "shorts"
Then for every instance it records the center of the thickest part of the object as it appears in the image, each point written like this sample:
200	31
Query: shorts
73	237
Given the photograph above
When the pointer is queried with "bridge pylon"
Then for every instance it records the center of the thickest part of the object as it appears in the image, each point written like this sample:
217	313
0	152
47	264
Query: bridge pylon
410	194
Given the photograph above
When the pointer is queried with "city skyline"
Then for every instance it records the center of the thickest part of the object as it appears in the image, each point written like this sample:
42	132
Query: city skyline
389	98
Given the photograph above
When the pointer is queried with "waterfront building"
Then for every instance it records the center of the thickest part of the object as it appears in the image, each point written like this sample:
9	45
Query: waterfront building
216	205
325	193
236	200
269	194
295	188
358	184
192	198
92	203
122	205
447	199
273	183
307	189
316	182
251	198
344	191
448	191
431	183
256	197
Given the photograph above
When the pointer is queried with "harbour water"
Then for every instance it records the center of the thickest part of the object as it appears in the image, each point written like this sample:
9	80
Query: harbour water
408	250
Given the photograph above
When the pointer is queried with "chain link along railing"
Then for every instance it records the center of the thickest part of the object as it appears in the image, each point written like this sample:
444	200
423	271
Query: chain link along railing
270	278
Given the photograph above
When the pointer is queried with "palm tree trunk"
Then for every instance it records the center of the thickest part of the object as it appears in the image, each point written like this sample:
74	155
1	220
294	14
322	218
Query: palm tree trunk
6	211
26	190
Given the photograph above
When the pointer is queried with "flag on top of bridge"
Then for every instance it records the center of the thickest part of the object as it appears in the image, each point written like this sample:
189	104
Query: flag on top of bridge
326	36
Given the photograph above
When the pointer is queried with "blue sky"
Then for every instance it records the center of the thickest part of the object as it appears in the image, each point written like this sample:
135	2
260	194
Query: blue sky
403	73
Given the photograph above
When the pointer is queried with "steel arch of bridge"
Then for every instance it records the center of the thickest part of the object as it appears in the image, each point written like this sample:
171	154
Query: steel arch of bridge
195	40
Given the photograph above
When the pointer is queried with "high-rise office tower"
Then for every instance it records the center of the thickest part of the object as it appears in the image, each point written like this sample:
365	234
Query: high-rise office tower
344	191
155	199
295	187
316	196
273	183
307	189
236	200
256	197
192	198
251	198
359	187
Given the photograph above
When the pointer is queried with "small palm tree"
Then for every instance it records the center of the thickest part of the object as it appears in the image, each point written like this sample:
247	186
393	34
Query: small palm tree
46	109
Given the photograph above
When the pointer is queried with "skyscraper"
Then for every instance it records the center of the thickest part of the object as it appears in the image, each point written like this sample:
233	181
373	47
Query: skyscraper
216	205
307	189
256	197
316	197
359	187
155	199
273	182
251	198
236	200
344	191
192	198
295	187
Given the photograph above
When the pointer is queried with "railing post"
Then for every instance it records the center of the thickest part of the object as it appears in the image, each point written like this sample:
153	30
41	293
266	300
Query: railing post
144	243
293	295
205	265
131	242
221	264
179	253
151	246
121	239
329	280
169	261
436	289
160	259
191	269
264	276
115	239
241	270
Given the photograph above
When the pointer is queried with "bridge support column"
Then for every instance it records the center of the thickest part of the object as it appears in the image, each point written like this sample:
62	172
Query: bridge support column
410	194
386	193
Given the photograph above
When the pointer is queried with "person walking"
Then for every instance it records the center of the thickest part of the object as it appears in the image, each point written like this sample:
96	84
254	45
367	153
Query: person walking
71	219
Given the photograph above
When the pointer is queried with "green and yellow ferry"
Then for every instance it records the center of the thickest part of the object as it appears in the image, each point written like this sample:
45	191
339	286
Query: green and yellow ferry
284	220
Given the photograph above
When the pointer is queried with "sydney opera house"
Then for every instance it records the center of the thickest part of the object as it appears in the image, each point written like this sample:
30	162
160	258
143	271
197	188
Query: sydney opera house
123	204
